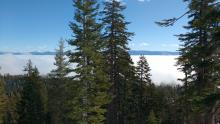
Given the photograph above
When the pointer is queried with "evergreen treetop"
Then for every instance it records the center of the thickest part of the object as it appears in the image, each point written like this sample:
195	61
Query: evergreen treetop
30	107
92	81
61	62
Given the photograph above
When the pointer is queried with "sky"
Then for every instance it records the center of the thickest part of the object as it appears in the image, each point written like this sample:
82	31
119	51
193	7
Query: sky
37	25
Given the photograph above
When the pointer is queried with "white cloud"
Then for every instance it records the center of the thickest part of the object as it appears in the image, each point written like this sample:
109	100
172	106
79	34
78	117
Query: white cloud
163	69
169	45
144	44
139	45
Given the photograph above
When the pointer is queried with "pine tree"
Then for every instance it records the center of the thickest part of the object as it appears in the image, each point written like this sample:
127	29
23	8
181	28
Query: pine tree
91	96
61	63
30	108
143	71
152	118
12	91
2	100
119	64
199	57
144	80
57	86
197	51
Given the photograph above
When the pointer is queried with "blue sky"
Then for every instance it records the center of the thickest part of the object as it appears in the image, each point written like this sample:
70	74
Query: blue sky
37	25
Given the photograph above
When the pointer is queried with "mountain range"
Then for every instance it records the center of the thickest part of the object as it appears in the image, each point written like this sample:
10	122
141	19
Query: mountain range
131	52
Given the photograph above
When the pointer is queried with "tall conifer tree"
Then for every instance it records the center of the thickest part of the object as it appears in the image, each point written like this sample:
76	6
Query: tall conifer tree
143	71
2	100
88	104
120	68
57	86
144	84
30	108
197	60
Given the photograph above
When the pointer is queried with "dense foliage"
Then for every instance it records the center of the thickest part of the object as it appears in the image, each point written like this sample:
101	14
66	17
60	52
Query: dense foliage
91	96
105	87
2	100
199	62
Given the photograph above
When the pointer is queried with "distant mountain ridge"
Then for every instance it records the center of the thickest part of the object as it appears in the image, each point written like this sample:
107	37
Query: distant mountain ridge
28	53
131	52
142	52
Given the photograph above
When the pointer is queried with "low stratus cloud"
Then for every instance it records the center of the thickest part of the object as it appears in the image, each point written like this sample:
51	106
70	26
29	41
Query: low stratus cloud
162	67
14	64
